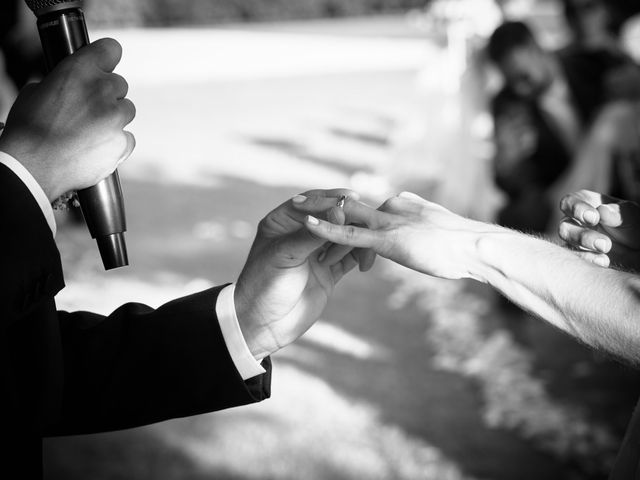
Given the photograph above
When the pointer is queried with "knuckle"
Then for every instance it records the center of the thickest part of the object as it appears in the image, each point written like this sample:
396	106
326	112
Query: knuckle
350	232
263	224
103	89
73	70
120	84
127	110
313	200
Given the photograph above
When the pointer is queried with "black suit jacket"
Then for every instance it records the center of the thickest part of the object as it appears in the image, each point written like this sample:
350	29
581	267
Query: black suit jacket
78	372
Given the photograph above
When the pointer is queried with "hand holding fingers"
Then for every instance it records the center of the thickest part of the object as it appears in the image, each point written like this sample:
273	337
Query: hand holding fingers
283	287
334	253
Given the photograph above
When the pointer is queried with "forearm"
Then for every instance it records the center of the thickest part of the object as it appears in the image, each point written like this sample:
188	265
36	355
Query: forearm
600	307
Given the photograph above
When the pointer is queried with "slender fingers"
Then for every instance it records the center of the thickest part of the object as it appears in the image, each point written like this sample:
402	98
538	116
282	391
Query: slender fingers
332	193
580	237
343	234
355	212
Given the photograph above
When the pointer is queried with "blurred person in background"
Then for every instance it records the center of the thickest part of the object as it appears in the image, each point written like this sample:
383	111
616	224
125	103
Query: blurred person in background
572	290
537	125
67	373
608	159
549	107
596	55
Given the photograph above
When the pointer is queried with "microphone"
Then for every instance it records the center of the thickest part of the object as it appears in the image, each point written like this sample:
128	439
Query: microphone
62	31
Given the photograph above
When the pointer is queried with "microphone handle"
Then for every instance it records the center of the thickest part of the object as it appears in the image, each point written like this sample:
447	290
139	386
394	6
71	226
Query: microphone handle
63	32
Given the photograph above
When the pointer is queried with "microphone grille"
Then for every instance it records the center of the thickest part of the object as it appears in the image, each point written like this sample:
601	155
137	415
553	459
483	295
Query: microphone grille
45	6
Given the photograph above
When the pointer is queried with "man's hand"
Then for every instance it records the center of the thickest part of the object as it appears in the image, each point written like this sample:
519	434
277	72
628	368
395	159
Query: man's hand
68	129
283	288
409	230
603	229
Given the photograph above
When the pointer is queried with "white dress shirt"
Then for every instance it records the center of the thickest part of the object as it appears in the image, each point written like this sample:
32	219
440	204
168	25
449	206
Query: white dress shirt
225	310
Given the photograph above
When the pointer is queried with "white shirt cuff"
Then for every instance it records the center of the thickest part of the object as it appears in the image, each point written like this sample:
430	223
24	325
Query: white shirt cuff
33	186
242	358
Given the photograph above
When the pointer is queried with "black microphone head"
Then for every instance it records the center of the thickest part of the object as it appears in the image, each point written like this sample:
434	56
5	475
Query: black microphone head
42	7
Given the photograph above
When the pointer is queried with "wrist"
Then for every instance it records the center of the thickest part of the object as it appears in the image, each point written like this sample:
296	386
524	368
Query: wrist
37	168
256	333
486	251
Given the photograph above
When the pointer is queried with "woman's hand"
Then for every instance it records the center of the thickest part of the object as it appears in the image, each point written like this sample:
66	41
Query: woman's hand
409	230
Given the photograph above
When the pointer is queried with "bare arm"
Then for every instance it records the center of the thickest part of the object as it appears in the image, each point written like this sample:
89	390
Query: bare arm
597	306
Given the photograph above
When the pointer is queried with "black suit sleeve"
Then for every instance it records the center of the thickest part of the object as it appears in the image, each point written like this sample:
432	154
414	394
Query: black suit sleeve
139	366
90	373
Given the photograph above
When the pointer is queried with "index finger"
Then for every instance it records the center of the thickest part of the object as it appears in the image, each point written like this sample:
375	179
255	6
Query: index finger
349	235
332	193
354	210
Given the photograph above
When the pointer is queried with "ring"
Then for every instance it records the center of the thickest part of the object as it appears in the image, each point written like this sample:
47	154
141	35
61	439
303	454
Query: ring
341	200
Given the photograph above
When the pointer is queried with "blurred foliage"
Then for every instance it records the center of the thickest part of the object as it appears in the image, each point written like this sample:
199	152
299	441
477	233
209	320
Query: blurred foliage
201	12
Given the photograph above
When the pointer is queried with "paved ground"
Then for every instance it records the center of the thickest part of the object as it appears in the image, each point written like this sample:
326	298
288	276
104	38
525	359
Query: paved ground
405	377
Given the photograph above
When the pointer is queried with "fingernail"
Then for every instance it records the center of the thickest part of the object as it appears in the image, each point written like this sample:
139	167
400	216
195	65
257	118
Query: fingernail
590	216
298	199
602	245
407	195
312	220
602	261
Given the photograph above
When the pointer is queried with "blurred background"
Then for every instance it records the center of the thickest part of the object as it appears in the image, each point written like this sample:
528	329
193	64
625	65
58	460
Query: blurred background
244	103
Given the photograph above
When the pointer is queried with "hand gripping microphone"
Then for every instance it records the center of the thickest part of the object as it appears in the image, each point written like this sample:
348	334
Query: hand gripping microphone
63	31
